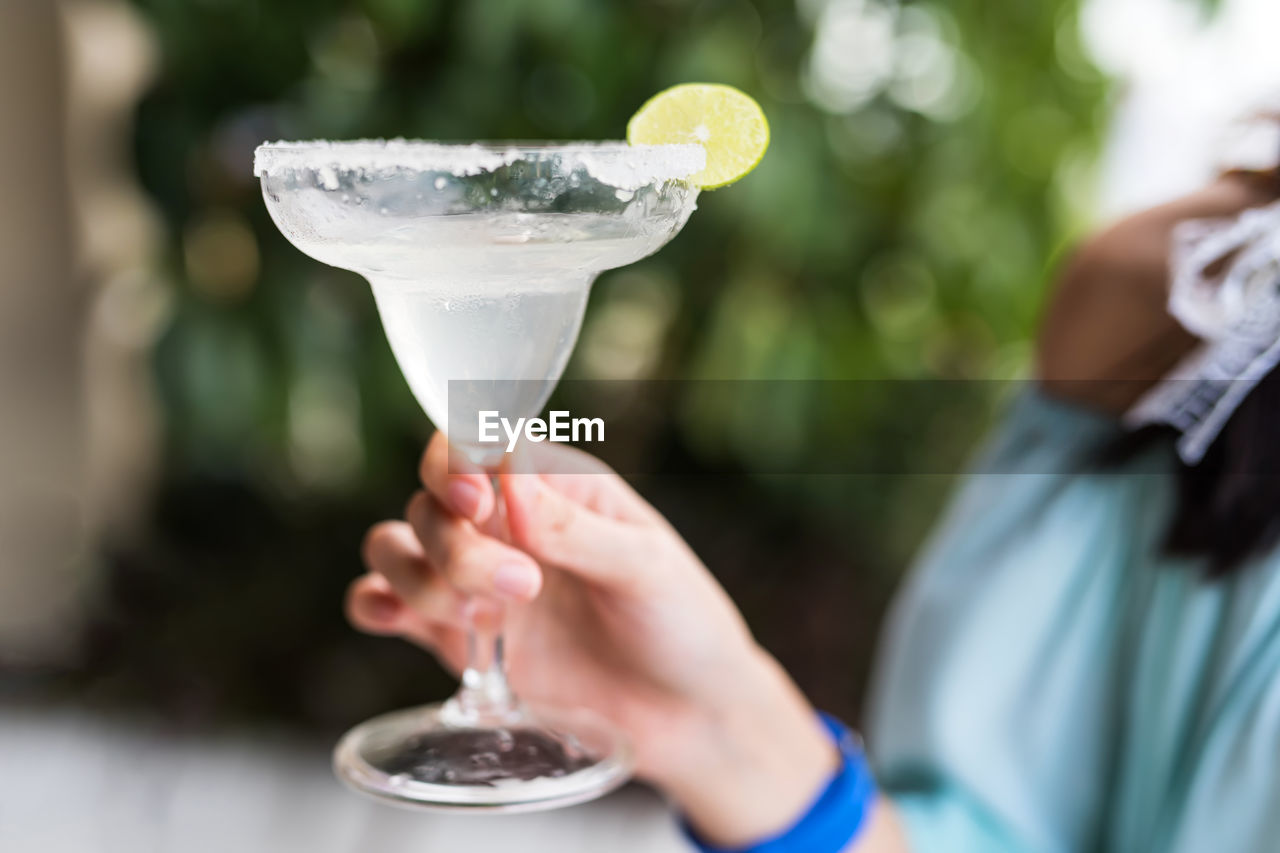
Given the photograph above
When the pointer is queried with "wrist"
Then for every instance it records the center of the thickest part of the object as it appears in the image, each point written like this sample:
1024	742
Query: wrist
752	761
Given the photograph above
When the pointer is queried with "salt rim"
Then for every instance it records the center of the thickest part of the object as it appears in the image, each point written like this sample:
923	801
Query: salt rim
617	164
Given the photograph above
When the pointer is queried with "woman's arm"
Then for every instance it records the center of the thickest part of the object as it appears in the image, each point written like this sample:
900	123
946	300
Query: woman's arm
625	619
751	782
1108	335
608	608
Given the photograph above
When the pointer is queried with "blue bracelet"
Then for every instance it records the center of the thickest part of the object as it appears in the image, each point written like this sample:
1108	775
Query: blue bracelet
836	816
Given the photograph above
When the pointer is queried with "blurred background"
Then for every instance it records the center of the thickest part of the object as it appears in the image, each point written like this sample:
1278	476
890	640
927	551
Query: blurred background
197	422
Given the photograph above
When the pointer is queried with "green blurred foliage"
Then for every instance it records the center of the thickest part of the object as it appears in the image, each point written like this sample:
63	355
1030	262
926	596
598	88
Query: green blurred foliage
929	162
901	230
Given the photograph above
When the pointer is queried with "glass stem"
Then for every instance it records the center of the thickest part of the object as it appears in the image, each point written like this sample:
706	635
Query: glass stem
485	696
484	689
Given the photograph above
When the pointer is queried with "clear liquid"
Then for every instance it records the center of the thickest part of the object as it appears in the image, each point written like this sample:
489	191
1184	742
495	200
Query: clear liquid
490	302
476	336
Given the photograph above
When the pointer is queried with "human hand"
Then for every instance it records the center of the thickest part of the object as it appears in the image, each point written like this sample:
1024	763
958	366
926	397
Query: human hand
607	608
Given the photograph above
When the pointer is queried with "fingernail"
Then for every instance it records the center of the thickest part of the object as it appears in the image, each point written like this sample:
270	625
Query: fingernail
464	497
518	580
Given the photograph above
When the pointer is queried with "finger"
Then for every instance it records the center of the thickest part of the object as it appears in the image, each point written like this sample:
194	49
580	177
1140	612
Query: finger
584	479
474	563
455	482
373	607
561	532
393	552
449	645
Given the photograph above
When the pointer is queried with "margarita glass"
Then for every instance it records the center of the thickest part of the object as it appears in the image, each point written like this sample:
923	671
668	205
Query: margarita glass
481	258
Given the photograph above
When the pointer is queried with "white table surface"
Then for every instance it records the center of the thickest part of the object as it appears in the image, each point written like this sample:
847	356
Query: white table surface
75	783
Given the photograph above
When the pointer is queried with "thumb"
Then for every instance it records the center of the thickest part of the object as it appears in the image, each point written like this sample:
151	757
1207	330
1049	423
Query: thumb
558	531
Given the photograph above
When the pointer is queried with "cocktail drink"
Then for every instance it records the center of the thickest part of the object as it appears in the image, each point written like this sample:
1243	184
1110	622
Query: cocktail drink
481	258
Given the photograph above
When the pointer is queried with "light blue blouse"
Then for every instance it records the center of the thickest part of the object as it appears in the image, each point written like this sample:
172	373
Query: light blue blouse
1051	682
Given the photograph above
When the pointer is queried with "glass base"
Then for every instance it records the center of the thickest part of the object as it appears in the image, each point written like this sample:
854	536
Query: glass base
437	757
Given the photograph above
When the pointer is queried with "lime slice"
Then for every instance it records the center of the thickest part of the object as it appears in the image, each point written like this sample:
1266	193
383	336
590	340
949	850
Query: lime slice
723	120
